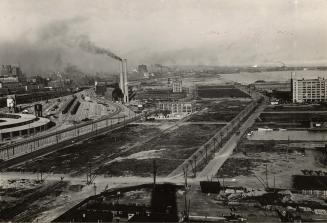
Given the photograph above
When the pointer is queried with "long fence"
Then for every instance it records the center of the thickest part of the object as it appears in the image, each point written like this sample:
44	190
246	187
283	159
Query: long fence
210	147
71	134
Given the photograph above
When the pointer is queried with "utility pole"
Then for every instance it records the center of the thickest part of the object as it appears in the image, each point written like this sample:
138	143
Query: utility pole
154	174
187	204
95	189
288	145
185	176
267	175
274	183
206	150
194	167
89	176
214	144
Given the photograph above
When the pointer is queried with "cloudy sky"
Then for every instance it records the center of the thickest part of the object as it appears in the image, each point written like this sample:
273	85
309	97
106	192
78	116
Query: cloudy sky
45	35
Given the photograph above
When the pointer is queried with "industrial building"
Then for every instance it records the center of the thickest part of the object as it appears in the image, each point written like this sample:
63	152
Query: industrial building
12	71
272	85
309	90
176	106
11	79
153	204
142	69
177	85
160	94
15	125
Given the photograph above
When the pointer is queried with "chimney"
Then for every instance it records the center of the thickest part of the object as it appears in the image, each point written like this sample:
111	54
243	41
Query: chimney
121	78
126	96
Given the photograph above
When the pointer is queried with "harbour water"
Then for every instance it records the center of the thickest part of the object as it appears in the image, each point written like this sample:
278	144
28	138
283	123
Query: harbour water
248	78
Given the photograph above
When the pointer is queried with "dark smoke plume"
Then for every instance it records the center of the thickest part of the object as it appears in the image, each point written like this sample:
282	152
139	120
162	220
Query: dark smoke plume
85	44
63	32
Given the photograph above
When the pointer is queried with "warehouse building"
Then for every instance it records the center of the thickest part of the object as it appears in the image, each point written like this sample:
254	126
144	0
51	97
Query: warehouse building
176	107
309	90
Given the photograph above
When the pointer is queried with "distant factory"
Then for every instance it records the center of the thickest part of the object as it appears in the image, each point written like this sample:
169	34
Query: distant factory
113	90
11	79
172	91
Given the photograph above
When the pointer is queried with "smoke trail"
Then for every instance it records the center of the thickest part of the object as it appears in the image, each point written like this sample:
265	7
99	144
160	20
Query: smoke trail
85	44
62	32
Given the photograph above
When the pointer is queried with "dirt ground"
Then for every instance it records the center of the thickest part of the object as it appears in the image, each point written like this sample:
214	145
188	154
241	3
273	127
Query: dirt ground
24	199
223	110
76	159
280	161
291	107
125	152
220	91
289	119
168	150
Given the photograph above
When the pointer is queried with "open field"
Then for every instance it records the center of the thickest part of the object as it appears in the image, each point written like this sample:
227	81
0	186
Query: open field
168	150
220	91
291	116
75	159
280	160
224	110
297	107
128	151
288	119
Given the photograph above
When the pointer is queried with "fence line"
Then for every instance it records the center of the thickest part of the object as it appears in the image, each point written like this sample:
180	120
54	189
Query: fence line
210	146
89	129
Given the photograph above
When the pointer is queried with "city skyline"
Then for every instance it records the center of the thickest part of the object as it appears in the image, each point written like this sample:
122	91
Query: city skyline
168	32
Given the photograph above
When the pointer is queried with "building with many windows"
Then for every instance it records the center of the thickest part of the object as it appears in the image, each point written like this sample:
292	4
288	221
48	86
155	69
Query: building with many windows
177	85
176	106
309	90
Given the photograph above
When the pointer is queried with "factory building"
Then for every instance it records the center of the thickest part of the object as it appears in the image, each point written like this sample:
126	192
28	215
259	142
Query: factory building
160	94
309	90
12	71
143	70
176	107
177	85
18	125
11	79
270	86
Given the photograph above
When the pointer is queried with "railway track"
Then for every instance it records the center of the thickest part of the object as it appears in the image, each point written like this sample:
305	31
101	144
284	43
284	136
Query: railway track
64	142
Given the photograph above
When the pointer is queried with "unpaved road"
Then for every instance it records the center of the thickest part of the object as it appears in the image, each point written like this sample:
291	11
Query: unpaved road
220	157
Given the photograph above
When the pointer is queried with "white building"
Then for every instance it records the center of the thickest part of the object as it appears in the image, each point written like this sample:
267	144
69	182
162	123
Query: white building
177	85
177	107
309	90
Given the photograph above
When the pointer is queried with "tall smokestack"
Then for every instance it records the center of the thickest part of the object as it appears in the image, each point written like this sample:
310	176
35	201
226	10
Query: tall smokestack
121	78
126	97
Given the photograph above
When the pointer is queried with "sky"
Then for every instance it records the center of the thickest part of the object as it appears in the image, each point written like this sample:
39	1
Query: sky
45	35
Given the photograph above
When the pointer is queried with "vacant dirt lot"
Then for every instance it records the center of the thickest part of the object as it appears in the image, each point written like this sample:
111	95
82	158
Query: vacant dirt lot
220	91
291	107
224	110
76	159
168	150
280	160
